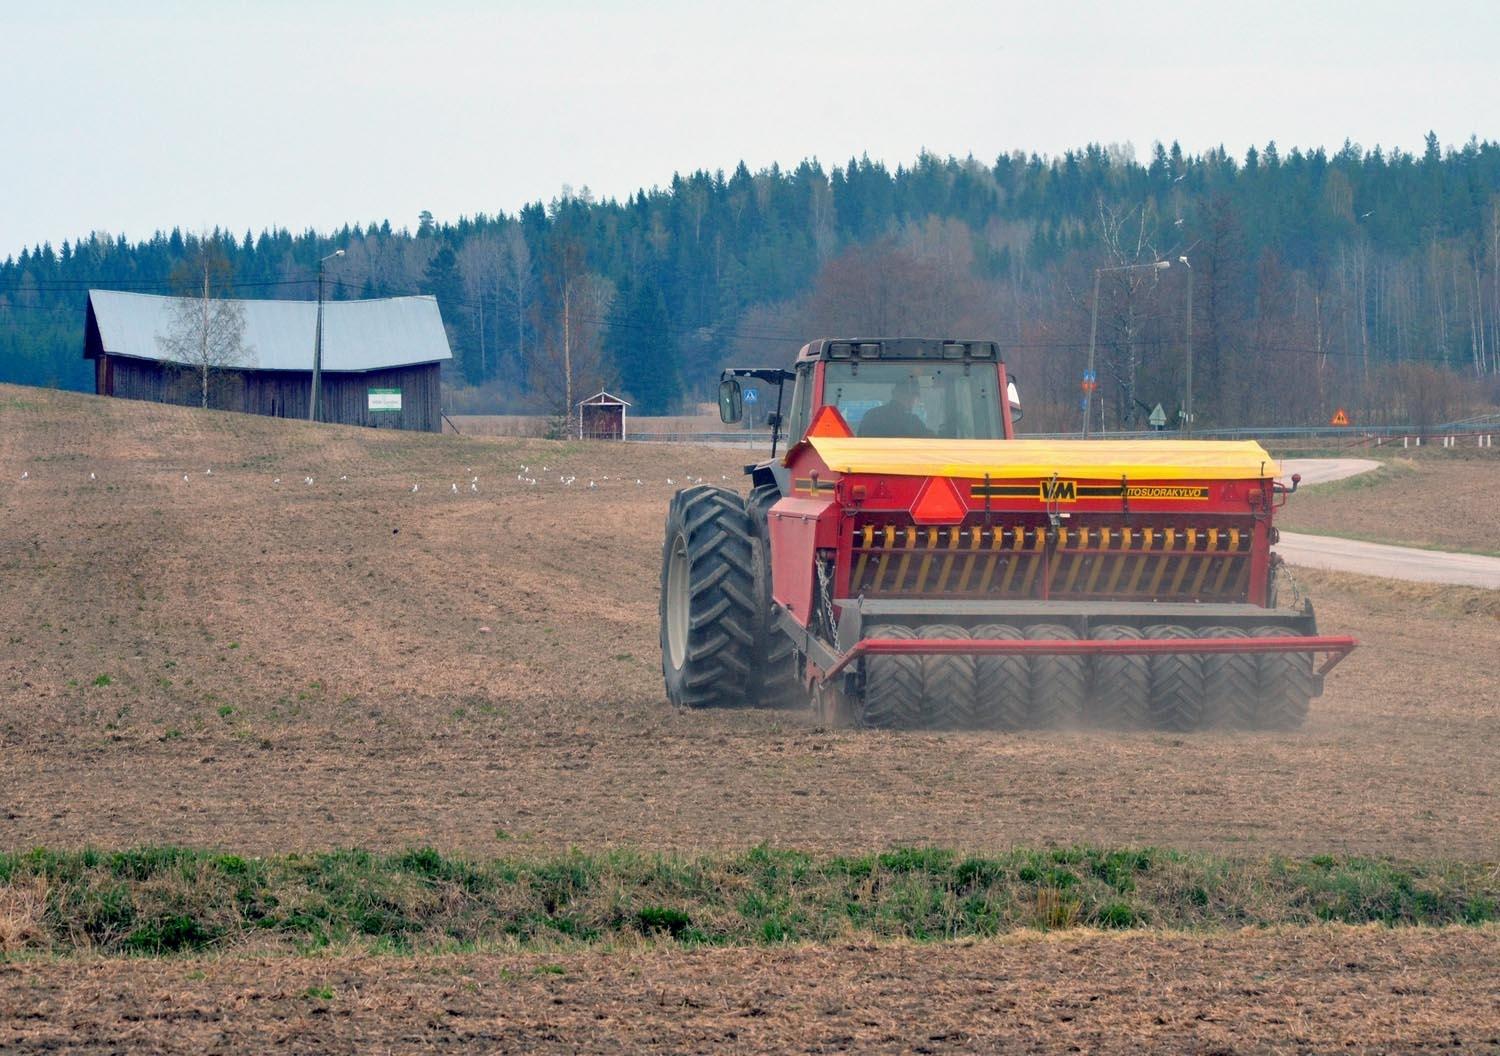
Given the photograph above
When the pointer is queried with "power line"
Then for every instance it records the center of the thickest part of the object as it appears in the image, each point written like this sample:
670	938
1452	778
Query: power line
132	285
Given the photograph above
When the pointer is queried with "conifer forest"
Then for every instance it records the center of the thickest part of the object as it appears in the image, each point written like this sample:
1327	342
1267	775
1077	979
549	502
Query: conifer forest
1299	281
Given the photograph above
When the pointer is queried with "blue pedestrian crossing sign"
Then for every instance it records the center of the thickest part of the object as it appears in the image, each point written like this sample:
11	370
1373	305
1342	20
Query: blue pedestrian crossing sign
752	395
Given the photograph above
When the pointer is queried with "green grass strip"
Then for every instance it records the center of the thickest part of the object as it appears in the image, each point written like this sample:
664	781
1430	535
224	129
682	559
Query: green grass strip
158	900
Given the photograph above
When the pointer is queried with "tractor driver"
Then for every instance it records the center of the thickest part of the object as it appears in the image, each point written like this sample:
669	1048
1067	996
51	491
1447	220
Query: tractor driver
896	418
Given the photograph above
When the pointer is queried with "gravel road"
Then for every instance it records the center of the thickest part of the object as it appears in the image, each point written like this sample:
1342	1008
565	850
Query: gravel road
1376	559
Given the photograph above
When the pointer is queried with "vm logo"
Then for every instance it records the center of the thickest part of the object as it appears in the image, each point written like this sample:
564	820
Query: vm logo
1059	490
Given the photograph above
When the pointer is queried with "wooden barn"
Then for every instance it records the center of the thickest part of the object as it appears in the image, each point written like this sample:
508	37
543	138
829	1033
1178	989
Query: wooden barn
381	358
602	417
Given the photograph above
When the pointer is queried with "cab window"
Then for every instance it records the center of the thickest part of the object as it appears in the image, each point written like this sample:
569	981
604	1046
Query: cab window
916	399
801	409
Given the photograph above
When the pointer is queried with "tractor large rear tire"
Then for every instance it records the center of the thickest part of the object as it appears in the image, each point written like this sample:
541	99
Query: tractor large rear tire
1286	685
775	675
893	684
708	609
1059	684
1176	684
1002	690
1231	682
1120	689
947	681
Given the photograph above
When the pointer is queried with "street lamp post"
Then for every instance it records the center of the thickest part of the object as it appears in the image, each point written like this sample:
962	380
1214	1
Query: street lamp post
1187	402
1155	265
314	405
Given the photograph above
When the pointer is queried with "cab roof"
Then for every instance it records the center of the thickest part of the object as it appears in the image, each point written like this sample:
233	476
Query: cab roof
898	348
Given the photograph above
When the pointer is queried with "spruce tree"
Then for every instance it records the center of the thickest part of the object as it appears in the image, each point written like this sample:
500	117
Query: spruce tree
643	347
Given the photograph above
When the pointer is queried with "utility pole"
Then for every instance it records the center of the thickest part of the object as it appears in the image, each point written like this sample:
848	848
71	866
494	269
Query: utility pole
1187	403
314	403
568	353
1089	375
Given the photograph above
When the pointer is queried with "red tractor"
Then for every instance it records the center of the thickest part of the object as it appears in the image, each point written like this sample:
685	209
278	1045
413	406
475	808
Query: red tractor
909	563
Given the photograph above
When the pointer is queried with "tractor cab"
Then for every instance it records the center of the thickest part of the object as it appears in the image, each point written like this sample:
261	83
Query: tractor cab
893	388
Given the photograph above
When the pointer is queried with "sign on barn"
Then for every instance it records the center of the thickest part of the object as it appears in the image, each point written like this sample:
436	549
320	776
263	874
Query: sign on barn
385	399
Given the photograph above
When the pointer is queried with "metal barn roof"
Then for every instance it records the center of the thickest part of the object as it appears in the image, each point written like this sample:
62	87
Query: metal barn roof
357	335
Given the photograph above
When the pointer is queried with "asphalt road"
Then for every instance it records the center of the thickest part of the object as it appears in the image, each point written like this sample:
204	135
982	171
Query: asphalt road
1325	470
1376	559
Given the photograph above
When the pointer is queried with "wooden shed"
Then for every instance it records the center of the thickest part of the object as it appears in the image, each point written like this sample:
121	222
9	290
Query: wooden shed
381	358
602	417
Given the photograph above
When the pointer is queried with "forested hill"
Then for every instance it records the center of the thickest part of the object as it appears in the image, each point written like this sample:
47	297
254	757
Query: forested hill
1364	279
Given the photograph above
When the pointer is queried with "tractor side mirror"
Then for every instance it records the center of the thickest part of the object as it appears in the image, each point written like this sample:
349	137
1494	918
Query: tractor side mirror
1014	396
731	401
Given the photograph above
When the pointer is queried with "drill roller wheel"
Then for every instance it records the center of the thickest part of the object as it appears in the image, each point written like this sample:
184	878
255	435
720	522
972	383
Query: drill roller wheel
1177	689
1059	684
1120	689
708	608
893	684
948	681
1231	682
1002	683
1286	686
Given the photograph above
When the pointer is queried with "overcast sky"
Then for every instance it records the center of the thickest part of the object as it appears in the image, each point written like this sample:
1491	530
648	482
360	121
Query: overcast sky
131	117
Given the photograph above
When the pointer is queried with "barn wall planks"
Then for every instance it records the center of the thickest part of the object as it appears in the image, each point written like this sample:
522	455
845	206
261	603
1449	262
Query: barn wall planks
282	394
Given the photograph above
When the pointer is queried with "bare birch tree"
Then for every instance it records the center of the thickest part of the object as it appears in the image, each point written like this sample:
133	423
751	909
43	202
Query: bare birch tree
480	264
207	333
571	357
516	287
1128	290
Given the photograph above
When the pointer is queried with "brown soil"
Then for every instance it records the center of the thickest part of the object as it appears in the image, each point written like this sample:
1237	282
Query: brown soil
1365	990
295	666
1444	500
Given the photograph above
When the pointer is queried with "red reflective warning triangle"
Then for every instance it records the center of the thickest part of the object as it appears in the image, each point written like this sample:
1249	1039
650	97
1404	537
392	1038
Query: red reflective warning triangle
829	422
938	503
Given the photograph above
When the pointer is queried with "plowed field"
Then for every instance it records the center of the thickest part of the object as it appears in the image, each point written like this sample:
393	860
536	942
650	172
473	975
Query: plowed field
297	651
230	661
1320	990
